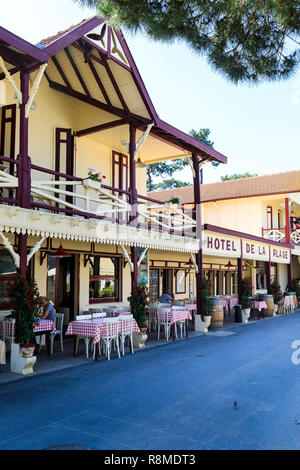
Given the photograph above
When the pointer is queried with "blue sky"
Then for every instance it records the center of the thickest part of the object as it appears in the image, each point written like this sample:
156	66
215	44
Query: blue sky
257	128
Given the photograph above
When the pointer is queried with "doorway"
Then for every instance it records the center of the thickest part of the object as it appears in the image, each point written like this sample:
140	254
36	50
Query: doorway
167	280
62	289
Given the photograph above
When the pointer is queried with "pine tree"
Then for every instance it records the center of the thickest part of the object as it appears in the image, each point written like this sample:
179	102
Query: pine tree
245	40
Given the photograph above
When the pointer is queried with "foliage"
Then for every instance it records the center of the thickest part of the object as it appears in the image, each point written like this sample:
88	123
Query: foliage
174	200
237	176
162	169
96	176
139	299
170	183
204	293
26	302
167	168
245	40
246	293
276	291
294	287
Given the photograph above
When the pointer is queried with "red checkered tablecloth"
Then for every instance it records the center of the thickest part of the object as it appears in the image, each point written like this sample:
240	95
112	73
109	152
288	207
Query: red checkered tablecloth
174	316
191	307
92	328
258	304
43	325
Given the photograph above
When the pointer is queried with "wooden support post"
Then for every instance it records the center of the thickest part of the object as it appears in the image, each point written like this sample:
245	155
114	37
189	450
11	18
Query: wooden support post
22	250
268	276
240	274
290	273
133	200
24	169
287	221
197	218
134	259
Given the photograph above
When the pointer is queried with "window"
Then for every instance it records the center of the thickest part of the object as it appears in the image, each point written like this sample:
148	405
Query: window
180	282
273	272
51	279
105	279
154	284
7	271
261	278
279	219
270	217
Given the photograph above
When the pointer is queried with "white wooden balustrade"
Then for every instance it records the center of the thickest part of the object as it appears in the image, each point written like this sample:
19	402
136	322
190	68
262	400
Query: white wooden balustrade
88	196
276	235
295	237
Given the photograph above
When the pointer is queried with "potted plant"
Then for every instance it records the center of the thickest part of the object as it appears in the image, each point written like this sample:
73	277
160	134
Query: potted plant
26	304
138	300
245	300
277	294
202	321
173	203
94	179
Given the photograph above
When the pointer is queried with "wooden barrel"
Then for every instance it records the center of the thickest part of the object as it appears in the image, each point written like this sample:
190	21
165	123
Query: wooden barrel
217	315
270	303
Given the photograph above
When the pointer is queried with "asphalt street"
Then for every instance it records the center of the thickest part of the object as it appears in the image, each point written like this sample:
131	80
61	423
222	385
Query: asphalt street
176	397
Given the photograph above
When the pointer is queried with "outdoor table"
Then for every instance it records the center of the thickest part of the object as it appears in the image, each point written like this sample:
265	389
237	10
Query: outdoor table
232	302
43	327
288	302
179	315
258	305
91	328
193	309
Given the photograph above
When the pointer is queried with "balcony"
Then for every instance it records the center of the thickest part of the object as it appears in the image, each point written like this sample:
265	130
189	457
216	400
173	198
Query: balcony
65	206
279	235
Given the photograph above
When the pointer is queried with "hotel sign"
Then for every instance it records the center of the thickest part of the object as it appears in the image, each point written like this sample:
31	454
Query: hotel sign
254	250
280	255
229	247
218	245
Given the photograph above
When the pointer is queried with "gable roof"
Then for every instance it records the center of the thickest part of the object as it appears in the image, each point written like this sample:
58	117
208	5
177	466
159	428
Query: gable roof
279	183
113	68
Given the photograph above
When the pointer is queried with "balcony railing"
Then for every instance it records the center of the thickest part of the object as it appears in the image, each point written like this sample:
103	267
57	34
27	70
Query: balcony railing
295	237
70	195
275	234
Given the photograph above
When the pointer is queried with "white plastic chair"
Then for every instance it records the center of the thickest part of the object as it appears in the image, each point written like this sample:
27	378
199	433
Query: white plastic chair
99	315
111	336
126	330
85	338
180	323
59	323
163	319
9	326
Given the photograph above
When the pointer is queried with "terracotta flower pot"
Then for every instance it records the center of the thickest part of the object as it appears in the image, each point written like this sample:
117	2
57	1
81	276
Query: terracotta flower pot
27	350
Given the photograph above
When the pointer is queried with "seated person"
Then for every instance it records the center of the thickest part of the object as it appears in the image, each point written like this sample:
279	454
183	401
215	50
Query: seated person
165	298
48	310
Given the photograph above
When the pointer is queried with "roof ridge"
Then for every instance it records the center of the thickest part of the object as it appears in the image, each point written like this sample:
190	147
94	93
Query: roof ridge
50	39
